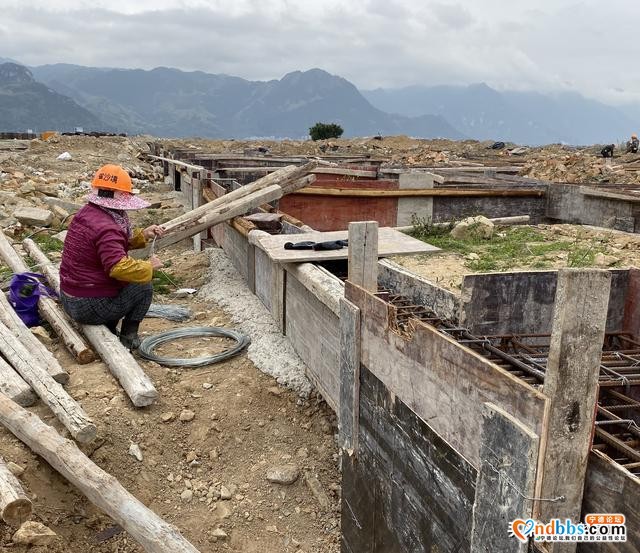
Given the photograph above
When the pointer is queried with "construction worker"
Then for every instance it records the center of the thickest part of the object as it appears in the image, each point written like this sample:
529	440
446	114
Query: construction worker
100	283
633	144
607	151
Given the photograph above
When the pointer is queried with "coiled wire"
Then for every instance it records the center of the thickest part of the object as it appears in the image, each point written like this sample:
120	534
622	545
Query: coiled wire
152	342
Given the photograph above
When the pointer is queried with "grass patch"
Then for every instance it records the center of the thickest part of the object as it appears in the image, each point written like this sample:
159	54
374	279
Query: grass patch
164	282
47	243
511	247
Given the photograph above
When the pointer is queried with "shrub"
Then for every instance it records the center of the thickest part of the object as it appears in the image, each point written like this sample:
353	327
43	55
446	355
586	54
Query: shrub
321	131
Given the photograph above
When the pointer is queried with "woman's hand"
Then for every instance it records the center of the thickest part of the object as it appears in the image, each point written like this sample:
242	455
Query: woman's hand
153	230
156	263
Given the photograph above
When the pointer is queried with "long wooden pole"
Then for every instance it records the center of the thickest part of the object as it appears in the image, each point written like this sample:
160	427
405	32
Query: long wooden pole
101	488
49	308
51	392
15	506
12	385
121	363
10	319
284	177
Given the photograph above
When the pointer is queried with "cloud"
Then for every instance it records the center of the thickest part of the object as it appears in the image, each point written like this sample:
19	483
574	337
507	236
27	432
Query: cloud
373	43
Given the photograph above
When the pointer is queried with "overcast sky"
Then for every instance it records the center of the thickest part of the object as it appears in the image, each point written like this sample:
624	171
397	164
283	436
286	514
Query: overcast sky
589	45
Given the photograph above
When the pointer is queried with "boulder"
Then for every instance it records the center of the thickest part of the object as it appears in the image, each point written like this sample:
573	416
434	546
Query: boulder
473	227
33	216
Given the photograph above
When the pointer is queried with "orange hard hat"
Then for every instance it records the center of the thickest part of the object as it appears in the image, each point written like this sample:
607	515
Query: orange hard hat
112	177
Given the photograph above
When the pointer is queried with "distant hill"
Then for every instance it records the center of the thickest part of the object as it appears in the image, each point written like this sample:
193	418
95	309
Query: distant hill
27	104
169	102
483	113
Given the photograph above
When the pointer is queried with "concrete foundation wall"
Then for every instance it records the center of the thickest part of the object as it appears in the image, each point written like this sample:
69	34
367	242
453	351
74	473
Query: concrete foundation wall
568	204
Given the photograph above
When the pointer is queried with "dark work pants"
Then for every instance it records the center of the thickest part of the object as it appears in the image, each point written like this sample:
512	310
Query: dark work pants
131	304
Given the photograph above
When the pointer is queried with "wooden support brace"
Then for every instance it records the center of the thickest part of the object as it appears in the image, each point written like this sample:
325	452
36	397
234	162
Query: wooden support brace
121	363
571	384
103	490
349	411
363	255
49	308
51	392
506	481
15	506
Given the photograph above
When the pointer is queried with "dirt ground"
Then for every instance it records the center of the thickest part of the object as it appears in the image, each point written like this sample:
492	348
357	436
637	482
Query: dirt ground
597	247
203	474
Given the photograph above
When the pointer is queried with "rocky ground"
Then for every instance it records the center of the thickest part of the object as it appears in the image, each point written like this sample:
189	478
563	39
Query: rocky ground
234	460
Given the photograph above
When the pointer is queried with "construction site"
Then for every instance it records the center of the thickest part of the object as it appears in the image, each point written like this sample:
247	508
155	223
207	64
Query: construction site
434	339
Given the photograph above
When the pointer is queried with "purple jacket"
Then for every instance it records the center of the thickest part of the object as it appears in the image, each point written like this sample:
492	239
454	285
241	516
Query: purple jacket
94	244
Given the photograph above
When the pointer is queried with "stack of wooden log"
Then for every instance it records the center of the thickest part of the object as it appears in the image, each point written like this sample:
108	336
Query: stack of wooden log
28	369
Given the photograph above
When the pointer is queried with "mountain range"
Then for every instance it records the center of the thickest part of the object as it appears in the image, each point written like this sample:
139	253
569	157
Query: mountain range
173	103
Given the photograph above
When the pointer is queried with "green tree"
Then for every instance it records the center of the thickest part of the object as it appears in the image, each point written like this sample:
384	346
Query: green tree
321	131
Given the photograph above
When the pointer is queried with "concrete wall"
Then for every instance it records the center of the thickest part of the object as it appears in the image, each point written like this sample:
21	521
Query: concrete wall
567	203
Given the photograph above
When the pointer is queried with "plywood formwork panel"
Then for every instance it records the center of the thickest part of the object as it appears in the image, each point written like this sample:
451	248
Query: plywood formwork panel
443	382
314	332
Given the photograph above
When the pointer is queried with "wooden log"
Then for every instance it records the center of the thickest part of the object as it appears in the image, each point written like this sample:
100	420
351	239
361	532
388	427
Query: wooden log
12	385
451	192
212	217
571	384
15	506
506	481
49	308
10	319
51	392
121	363
363	255
102	489
285	178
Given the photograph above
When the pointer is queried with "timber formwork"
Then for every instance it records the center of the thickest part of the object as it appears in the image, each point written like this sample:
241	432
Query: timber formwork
424	380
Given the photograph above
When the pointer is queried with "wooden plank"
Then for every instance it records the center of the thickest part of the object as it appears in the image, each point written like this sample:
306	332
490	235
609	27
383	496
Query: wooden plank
327	288
507	477
571	384
178	163
426	192
390	242
318	170
363	255
348	413
594	193
443	382
609	488
314	332
406	490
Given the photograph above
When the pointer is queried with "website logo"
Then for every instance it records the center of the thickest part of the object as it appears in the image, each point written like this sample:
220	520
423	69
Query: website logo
595	528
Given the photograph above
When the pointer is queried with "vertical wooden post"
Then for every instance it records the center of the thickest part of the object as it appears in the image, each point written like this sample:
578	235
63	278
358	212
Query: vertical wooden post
196	201
349	375
571	384
506	481
363	255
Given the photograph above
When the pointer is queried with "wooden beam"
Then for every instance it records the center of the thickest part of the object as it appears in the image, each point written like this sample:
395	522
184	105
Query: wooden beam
322	284
448	192
363	255
319	170
593	193
121	363
32	369
506	481
349	413
571	384
10	319
178	163
103	490
49	308
15	506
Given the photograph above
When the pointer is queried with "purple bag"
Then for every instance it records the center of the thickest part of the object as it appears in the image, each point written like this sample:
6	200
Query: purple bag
24	293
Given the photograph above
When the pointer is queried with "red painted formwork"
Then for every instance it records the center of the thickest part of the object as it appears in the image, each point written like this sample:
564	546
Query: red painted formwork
336	212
